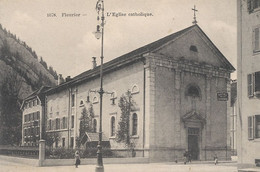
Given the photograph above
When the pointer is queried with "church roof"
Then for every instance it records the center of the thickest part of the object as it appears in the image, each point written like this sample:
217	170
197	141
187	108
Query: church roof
133	56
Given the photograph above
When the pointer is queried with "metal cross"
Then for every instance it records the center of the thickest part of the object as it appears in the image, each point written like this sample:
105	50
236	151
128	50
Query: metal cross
194	9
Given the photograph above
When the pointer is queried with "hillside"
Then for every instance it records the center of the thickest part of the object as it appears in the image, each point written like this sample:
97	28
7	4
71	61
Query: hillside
23	60
21	73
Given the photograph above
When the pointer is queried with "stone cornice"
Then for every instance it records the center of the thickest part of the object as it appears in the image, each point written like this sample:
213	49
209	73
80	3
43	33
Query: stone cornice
181	64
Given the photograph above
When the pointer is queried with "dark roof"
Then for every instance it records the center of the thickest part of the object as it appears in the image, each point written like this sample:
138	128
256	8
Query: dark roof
233	92
131	57
40	92
37	92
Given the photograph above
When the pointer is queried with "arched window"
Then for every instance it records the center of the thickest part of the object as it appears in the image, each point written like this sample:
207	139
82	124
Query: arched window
193	91
134	121
113	124
94	125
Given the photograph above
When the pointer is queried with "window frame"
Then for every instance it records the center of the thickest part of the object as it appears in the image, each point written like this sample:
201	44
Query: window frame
257	126
250	126
134	131
256	39
112	126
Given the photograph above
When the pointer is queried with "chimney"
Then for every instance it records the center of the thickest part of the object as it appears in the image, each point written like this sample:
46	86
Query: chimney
94	62
60	80
68	78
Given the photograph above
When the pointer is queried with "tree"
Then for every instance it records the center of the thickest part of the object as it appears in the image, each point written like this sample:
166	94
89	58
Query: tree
86	121
123	133
51	138
10	114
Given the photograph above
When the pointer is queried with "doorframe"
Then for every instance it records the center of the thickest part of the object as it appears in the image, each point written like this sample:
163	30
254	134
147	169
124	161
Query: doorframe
194	124
199	140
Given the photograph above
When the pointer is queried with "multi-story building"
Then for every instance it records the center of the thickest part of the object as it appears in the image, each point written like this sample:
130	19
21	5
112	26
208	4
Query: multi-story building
248	63
179	87
33	117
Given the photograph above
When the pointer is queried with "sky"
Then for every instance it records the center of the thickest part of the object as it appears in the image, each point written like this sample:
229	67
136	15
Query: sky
68	43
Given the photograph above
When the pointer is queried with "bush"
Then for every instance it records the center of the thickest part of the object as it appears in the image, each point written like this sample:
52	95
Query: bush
63	153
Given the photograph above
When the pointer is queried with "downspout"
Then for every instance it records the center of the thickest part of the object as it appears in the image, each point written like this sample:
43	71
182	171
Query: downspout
144	85
68	123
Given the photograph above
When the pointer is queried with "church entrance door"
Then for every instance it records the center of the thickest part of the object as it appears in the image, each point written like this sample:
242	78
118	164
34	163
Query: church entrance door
193	143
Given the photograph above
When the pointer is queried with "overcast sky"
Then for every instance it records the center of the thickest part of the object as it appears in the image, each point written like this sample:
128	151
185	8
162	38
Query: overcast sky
68	43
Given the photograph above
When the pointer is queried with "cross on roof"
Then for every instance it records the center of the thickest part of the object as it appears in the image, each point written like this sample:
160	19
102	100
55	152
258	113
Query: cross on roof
194	9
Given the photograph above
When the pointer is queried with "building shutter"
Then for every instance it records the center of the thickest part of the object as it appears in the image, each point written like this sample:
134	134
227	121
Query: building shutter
250	127
256	40
250	85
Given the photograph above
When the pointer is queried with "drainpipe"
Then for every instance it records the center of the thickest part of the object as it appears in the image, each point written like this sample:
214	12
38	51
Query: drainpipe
144	107
69	110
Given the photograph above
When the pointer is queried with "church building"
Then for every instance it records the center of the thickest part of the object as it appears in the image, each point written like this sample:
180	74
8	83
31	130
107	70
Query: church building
179	84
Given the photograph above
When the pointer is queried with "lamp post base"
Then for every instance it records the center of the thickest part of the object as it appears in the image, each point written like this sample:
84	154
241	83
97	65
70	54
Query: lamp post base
99	169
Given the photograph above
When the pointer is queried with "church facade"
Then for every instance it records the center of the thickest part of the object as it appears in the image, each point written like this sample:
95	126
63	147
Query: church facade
174	83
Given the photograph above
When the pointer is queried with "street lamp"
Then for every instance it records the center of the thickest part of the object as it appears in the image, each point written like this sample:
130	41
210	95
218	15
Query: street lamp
98	34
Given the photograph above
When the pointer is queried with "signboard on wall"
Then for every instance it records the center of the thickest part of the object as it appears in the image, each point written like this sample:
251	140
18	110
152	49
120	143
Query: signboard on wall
222	96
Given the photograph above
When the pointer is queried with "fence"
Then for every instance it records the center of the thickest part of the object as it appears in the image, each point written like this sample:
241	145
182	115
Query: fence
63	153
20	151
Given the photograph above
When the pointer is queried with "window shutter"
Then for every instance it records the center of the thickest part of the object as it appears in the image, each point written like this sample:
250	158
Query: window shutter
250	85
256	39
250	128
257	83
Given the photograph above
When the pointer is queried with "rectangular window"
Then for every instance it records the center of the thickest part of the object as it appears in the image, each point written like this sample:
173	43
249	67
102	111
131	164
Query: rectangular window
257	126
38	115
253	84
57	124
256	40
63	142
64	123
49	125
73	100
257	82
72	121
71	142
250	127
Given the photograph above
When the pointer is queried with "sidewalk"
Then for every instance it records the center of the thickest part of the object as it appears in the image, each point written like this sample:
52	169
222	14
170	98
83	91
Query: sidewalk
151	167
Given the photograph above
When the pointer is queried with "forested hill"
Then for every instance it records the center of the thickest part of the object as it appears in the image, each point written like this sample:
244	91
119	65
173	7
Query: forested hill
16	54
21	73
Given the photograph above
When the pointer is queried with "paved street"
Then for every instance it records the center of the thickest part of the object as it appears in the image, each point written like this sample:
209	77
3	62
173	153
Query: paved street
153	167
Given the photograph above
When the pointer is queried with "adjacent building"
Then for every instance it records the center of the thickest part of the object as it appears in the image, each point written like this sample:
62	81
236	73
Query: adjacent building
248	63
33	117
180	86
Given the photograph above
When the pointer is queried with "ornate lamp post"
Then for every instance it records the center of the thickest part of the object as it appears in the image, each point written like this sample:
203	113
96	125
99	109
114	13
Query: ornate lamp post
98	34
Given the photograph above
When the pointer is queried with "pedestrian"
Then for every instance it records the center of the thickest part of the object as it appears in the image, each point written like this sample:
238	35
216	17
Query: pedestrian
185	155
189	157
216	159
77	159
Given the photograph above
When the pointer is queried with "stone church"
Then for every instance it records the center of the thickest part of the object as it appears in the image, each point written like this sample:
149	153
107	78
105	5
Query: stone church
174	82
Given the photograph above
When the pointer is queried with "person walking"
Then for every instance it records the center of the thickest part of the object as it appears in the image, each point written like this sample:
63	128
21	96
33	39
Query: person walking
216	159
77	159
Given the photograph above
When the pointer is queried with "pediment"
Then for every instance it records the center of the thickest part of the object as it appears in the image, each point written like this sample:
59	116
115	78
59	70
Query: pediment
193	116
195	46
